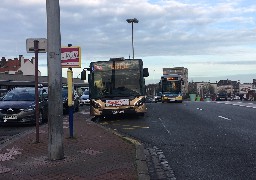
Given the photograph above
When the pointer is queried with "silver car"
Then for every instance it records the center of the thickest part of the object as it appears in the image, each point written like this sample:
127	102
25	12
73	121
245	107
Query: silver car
85	99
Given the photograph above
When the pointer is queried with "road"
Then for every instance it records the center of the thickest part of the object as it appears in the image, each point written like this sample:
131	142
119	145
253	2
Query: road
199	140
192	140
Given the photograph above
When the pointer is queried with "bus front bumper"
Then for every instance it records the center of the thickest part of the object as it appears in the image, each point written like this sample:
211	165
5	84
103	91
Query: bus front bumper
172	99
116	111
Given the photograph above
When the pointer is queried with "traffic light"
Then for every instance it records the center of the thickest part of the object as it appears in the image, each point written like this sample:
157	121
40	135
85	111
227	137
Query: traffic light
83	75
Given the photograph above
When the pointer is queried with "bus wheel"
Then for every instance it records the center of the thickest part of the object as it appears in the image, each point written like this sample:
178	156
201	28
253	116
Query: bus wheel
96	119
141	114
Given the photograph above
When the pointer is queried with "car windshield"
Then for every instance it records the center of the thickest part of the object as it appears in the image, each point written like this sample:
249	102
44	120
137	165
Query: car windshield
20	94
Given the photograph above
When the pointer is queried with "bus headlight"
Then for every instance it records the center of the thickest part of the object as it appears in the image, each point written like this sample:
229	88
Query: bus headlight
140	102
95	104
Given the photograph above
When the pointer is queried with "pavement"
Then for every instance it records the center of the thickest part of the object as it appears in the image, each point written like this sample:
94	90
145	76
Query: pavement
94	153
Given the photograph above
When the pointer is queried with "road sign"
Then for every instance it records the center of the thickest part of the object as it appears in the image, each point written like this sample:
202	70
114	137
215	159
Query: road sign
71	57
42	45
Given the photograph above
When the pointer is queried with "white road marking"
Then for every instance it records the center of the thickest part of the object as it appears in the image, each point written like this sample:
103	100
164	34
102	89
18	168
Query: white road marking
164	126
241	104
222	117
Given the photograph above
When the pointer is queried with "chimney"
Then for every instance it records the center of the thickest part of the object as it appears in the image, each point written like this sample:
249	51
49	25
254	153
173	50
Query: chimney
2	62
3	59
22	61
20	56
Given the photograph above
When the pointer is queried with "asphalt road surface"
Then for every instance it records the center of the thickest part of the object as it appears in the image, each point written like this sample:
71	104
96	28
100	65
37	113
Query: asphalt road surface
199	140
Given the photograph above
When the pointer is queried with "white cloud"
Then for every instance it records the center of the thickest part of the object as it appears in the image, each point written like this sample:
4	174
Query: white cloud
167	30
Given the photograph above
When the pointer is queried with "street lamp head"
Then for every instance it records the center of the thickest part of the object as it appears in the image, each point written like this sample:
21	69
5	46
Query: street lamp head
129	20
134	20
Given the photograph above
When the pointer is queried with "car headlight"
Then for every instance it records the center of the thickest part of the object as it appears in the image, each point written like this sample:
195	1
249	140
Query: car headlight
29	109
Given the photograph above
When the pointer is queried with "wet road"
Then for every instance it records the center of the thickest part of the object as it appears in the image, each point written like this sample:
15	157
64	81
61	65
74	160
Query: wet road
199	140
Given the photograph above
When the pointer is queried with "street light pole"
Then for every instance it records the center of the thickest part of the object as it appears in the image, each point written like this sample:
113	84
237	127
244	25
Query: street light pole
134	20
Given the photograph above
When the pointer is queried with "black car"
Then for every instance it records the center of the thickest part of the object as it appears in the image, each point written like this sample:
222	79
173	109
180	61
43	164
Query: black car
222	97
18	106
65	101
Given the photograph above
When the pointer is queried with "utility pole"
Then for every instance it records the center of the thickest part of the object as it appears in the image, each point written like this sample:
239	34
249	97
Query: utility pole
55	106
36	89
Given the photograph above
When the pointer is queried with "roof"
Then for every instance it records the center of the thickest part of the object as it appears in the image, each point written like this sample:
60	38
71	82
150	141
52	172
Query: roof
10	65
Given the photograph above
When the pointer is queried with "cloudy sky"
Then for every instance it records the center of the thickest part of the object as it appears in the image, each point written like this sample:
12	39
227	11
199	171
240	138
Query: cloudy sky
214	39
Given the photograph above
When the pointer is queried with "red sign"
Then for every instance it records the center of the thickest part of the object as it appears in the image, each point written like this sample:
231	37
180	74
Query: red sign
71	57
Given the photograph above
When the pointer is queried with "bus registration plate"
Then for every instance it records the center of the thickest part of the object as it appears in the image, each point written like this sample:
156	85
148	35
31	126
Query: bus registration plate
118	112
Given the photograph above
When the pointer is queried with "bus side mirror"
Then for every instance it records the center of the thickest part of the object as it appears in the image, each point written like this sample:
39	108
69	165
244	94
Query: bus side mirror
89	77
145	72
83	75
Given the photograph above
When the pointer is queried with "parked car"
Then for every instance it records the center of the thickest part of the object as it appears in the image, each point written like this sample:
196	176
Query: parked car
85	99
158	97
65	100
18	106
149	99
222	97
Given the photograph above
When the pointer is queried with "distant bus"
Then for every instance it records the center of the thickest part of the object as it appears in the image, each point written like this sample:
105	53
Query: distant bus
171	88
117	86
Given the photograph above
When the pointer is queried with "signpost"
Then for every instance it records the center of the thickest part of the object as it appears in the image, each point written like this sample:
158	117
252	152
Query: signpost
70	58
36	45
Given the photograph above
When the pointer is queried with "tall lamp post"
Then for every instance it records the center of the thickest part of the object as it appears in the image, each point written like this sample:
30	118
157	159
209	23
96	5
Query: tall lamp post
134	20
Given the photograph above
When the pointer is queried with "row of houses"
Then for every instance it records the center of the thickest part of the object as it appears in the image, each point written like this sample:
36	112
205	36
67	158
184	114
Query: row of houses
232	88
20	72
18	66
